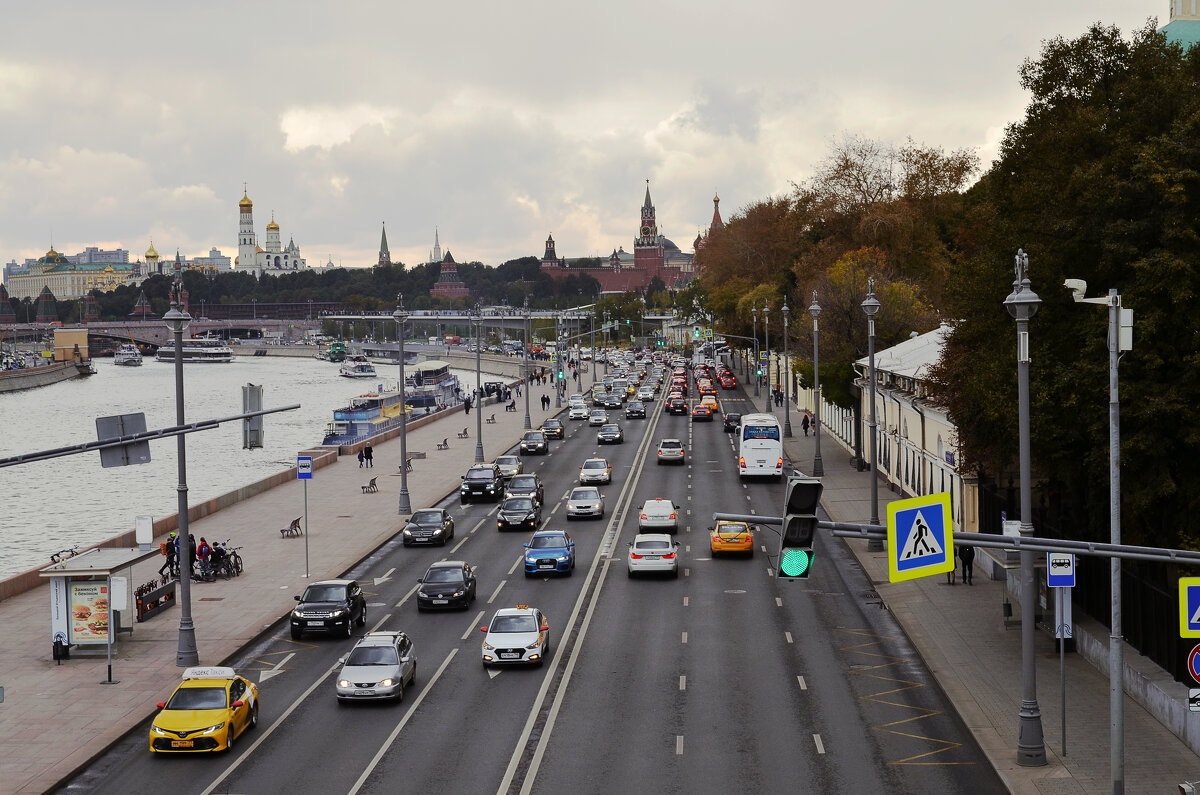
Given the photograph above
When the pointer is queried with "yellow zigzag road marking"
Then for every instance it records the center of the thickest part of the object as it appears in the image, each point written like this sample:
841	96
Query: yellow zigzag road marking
905	684
268	665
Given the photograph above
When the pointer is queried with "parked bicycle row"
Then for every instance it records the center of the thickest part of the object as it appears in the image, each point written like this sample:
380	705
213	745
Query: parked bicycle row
209	561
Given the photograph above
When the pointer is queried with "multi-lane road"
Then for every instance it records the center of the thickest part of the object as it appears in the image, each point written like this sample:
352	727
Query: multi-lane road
722	680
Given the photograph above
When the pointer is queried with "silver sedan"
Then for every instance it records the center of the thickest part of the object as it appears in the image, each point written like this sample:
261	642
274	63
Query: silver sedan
585	501
653	553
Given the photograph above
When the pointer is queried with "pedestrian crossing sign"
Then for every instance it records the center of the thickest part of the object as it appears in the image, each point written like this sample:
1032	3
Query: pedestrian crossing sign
1189	607
920	537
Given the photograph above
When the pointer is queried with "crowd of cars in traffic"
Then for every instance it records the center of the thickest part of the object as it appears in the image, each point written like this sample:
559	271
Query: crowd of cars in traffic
213	706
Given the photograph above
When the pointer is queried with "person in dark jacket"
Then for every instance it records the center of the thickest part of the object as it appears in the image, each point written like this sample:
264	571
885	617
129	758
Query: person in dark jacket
967	556
369	455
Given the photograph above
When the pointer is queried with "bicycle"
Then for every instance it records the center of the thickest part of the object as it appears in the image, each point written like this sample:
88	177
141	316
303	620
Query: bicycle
233	558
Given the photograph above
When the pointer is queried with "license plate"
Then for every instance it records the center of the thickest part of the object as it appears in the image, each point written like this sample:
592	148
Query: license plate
653	557
508	655
364	692
181	743
545	565
441	601
315	623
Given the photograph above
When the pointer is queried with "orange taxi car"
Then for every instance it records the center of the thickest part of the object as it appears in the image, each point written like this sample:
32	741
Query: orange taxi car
731	537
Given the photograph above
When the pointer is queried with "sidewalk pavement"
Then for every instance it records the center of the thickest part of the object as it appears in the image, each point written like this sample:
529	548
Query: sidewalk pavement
960	633
55	718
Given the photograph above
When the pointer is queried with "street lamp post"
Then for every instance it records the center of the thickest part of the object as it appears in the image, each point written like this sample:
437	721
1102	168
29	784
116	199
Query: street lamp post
870	306
528	423
787	384
254	307
754	333
401	316
606	342
1118	320
592	323
177	320
310	310
477	321
767	348
559	353
818	465
1022	303
203	314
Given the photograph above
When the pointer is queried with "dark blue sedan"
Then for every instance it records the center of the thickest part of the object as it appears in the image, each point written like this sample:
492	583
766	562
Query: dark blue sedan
549	552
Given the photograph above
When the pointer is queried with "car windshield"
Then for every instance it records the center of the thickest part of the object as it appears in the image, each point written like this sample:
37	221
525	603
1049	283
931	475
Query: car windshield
508	460
644	545
198	698
610	429
657	506
551	424
444	575
373	655
480	473
518	504
548	542
671	443
760	432
324	593
594	465
533	436
524	623
585	494
427	517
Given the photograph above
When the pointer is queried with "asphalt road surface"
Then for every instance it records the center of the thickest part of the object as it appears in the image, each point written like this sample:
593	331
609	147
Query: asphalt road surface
722	680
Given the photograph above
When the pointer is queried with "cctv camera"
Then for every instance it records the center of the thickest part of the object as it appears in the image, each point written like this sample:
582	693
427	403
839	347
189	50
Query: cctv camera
1077	287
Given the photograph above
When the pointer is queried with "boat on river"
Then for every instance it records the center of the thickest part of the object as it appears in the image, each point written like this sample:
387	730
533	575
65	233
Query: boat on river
336	352
197	350
357	367
128	356
428	386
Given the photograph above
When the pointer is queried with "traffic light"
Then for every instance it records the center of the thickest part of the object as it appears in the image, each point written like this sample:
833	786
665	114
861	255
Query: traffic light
802	496
561	377
696	333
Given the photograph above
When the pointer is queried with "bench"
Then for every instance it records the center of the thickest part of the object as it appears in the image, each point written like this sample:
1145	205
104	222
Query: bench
444	444
370	487
293	529
408	467
463	434
491	420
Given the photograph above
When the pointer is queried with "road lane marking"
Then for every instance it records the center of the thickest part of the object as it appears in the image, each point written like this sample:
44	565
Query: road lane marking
516	563
379	623
803	684
685	601
679	745
687	547
683	683
492	598
687	572
685	637
403	722
820	745
408	595
385	577
778	602
460	543
788	636
274	670
472	626
554	510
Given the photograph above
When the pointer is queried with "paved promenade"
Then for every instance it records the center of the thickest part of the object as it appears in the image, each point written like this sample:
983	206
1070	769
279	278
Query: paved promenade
54	718
959	631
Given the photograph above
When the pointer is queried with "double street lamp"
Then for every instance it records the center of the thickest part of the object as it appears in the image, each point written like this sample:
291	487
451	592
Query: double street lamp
818	465
870	306
1022	303
400	316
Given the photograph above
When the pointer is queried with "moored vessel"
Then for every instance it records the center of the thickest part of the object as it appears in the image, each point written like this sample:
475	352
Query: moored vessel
357	367
197	350
128	356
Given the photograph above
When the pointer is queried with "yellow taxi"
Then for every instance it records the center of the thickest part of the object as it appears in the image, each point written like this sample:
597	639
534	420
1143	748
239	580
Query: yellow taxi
731	537
208	711
711	402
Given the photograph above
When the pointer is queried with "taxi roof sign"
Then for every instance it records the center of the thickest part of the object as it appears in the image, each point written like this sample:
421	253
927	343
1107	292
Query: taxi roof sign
209	672
920	537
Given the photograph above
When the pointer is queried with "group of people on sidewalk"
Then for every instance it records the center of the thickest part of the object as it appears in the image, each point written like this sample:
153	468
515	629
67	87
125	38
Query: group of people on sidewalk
366	457
207	557
966	555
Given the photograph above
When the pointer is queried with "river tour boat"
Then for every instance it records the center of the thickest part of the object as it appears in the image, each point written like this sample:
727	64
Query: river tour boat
129	356
428	386
357	367
197	350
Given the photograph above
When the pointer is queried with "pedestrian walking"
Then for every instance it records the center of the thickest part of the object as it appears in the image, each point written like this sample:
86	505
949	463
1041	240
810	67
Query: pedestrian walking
467	405
369	454
950	574
362	458
171	549
204	553
804	424
967	556
192	555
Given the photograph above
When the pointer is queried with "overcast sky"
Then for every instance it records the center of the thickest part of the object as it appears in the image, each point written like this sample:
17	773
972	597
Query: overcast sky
496	122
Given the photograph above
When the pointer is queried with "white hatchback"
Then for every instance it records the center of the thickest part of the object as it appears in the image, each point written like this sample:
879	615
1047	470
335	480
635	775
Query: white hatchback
578	411
659	514
516	635
651	553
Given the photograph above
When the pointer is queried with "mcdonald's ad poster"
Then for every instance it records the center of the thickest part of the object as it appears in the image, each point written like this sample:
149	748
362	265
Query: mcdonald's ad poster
89	612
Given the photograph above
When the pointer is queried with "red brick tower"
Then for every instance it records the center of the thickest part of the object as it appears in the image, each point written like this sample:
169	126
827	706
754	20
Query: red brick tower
648	253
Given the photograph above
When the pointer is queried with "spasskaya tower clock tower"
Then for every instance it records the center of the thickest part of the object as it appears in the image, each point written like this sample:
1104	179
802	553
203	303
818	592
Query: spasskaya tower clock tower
648	249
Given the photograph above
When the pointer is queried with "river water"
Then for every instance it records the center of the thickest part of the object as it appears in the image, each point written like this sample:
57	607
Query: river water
51	505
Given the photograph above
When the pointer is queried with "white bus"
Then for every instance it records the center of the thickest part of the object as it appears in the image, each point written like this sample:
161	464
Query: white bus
760	446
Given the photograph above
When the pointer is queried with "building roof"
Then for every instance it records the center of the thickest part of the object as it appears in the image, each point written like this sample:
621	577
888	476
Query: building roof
52	257
913	357
1185	32
245	202
273	226
151	253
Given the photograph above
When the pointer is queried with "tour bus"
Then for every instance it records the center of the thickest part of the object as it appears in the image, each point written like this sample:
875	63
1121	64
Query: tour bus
760	446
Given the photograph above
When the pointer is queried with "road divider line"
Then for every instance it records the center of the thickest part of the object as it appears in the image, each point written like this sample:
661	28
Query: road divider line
492	598
685	601
820	745
465	539
683	683
471	627
685	637
788	637
403	722
479	524
408	595
678	745
380	622
778	602
516	563
803	684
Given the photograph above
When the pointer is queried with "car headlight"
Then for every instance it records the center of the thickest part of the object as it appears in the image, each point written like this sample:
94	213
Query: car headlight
530	558
344	683
537	644
486	647
563	558
387	683
338	613
457	594
297	614
157	730
212	729
407	532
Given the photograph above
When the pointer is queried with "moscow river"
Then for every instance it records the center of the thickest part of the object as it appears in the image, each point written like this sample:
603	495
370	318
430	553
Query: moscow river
59	503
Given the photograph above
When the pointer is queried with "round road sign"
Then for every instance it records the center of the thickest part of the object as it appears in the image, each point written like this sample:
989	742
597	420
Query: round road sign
1194	663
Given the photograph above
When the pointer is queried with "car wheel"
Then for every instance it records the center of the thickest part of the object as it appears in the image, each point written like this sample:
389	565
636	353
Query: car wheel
253	716
296	634
349	627
408	543
400	690
230	739
362	619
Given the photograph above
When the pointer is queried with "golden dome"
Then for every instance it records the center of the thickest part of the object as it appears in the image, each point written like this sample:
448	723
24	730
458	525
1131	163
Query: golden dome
273	226
151	253
245	202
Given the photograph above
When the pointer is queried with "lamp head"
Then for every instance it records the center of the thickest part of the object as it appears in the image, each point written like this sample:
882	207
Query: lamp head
1078	288
815	308
870	305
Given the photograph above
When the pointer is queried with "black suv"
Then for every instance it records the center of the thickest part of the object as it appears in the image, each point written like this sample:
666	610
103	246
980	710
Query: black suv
677	406
446	584
635	409
552	428
429	526
483	481
534	442
519	513
329	606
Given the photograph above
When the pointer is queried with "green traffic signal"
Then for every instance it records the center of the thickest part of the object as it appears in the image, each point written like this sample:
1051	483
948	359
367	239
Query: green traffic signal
758	372
795	563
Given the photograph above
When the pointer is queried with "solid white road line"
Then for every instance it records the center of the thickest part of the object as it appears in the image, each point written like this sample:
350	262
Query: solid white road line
685	637
471	627
683	683
788	637
803	684
408	595
679	745
492	598
820	745
403	722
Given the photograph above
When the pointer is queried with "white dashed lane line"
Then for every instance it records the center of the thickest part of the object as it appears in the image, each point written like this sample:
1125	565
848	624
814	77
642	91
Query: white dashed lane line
679	745
820	745
803	684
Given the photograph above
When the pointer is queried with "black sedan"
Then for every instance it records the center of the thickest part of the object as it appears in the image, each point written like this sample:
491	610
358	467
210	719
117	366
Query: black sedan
612	401
677	406
635	410
446	584
429	526
610	434
731	421
534	442
526	485
519	513
483	481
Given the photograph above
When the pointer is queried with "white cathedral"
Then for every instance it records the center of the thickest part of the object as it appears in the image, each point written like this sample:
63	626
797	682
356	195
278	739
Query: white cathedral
273	258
